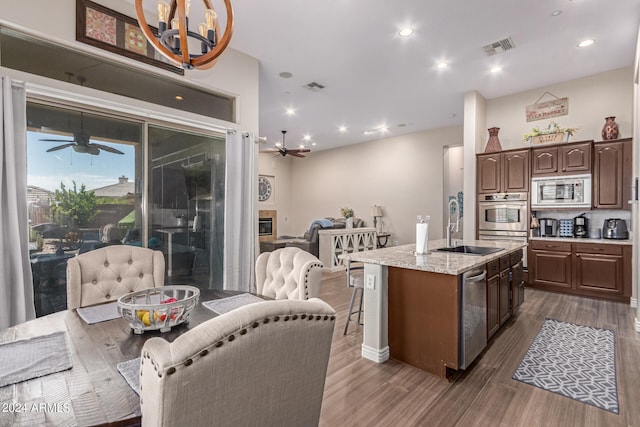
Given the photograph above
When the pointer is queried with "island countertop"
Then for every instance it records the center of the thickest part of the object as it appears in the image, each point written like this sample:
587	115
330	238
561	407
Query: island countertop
436	262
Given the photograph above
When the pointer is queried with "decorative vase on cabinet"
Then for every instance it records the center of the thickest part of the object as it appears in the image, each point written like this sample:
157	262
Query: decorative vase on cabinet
494	143
610	128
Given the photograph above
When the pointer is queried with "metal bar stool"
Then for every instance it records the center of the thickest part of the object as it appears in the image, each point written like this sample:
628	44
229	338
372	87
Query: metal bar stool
355	280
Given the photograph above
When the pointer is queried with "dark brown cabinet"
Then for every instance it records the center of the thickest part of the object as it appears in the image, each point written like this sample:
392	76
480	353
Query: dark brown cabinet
565	159
505	290
612	169
503	172
590	269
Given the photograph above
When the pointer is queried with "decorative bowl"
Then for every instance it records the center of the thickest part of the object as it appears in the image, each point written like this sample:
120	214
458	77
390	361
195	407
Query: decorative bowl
158	308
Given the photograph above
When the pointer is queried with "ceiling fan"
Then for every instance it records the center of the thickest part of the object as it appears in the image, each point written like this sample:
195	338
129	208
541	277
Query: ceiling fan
296	152
80	143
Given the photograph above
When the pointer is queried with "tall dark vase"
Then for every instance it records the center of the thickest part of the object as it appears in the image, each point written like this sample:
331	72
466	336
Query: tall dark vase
494	143
610	128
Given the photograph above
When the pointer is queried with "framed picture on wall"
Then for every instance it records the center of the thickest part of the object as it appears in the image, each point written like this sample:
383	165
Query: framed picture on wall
107	29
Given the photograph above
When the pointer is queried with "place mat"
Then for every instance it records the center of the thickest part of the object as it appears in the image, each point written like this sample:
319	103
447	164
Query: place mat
99	313
32	358
574	361
130	370
225	305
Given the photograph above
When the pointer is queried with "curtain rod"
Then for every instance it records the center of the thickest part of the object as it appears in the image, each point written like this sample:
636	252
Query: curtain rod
257	139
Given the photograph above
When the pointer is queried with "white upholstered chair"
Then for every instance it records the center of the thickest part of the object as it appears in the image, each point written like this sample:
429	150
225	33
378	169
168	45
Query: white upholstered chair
105	274
288	273
263	364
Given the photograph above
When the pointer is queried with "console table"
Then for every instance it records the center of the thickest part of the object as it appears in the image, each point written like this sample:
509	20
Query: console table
336	242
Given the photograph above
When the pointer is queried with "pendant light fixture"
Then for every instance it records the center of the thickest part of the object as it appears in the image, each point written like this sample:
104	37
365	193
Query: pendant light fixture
174	33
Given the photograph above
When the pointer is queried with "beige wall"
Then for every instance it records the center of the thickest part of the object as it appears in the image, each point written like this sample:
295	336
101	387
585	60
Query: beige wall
235	73
402	174
591	99
279	170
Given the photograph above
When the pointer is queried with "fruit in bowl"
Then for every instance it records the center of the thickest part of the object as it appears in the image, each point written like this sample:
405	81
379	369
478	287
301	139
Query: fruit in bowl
158	308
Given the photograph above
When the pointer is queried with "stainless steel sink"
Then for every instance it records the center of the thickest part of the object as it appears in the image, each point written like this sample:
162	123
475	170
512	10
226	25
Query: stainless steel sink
470	250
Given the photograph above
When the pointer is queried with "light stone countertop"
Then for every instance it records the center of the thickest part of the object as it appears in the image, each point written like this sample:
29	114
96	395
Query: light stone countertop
435	262
583	240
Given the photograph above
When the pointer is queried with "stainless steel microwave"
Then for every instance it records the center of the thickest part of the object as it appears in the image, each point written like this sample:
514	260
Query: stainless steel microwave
561	192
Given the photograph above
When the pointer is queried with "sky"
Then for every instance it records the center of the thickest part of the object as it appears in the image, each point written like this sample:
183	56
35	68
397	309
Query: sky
48	170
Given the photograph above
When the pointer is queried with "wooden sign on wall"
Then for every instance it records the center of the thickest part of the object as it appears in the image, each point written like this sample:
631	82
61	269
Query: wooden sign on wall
548	109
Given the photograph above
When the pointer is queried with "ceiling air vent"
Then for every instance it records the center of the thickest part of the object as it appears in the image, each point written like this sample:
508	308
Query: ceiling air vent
314	86
499	46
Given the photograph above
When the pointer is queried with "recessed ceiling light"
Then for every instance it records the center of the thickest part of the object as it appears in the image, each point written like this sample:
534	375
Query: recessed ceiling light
496	69
441	65
285	75
405	32
556	12
179	98
313	143
307	137
301	146
585	43
278	144
290	111
342	129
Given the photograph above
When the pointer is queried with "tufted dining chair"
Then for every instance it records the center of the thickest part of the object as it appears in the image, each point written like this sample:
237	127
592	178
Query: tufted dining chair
107	273
288	273
263	364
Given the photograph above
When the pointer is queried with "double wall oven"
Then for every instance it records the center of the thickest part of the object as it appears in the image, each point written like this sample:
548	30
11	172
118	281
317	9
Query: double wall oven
503	216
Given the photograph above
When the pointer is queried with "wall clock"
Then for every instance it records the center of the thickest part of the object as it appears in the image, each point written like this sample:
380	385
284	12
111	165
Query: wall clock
264	188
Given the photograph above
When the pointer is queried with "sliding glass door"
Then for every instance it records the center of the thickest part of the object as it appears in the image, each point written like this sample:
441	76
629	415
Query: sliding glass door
186	204
89	186
84	190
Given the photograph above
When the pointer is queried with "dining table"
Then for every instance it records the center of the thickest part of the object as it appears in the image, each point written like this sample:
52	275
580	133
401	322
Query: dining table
92	392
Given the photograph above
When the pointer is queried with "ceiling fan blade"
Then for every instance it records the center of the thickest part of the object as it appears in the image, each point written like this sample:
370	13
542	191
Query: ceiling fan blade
300	150
106	148
294	154
57	140
61	147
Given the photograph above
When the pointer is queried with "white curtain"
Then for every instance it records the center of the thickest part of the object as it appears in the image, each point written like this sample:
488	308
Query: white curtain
240	212
16	283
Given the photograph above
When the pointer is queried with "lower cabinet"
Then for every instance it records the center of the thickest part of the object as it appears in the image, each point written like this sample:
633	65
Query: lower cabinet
589	269
505	290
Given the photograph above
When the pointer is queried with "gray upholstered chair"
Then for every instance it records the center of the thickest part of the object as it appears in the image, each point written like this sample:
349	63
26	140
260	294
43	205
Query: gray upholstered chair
288	273
263	364
105	274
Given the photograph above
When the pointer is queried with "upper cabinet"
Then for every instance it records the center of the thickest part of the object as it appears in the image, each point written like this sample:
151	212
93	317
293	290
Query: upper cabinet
565	159
503	172
612	171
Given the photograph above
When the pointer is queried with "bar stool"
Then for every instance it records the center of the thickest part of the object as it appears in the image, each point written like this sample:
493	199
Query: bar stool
355	280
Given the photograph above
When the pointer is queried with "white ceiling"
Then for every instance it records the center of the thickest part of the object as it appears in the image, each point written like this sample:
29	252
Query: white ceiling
373	77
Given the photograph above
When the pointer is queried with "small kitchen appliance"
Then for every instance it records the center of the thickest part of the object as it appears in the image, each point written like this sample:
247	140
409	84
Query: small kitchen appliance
615	228
548	227
581	226
561	192
565	227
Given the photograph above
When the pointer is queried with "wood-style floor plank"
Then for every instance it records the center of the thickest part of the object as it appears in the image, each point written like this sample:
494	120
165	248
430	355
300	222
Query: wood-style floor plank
359	392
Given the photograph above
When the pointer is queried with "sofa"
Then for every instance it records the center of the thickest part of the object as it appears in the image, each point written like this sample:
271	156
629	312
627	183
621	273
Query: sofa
310	240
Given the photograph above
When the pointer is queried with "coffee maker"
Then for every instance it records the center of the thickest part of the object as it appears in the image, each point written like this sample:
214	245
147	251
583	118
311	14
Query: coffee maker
581	226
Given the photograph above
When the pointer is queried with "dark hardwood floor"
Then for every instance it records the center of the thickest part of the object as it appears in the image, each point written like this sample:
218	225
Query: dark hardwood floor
359	392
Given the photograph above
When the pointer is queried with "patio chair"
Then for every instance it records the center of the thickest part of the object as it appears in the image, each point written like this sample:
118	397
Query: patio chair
263	364
105	274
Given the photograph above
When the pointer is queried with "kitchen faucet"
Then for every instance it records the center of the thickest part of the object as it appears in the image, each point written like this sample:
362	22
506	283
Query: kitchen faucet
451	225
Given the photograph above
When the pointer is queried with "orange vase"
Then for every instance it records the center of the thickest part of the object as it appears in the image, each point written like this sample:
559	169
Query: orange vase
494	143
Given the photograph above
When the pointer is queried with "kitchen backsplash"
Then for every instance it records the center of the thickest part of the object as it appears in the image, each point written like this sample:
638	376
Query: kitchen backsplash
596	217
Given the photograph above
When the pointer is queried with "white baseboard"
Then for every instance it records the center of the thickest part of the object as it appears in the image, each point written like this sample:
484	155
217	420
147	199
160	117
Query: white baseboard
374	354
633	302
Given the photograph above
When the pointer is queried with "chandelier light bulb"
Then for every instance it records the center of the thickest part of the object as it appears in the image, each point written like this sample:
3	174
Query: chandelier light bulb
210	18
187	7
163	15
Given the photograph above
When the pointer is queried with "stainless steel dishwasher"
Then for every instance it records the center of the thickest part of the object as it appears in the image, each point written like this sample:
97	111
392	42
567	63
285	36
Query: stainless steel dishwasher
473	316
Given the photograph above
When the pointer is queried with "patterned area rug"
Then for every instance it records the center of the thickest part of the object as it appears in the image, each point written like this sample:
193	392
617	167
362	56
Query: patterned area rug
573	361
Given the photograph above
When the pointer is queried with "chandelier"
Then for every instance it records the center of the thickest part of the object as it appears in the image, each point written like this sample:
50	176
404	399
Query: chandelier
174	34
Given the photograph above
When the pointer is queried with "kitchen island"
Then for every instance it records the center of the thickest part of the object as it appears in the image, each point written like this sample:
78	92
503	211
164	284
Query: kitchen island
413	303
